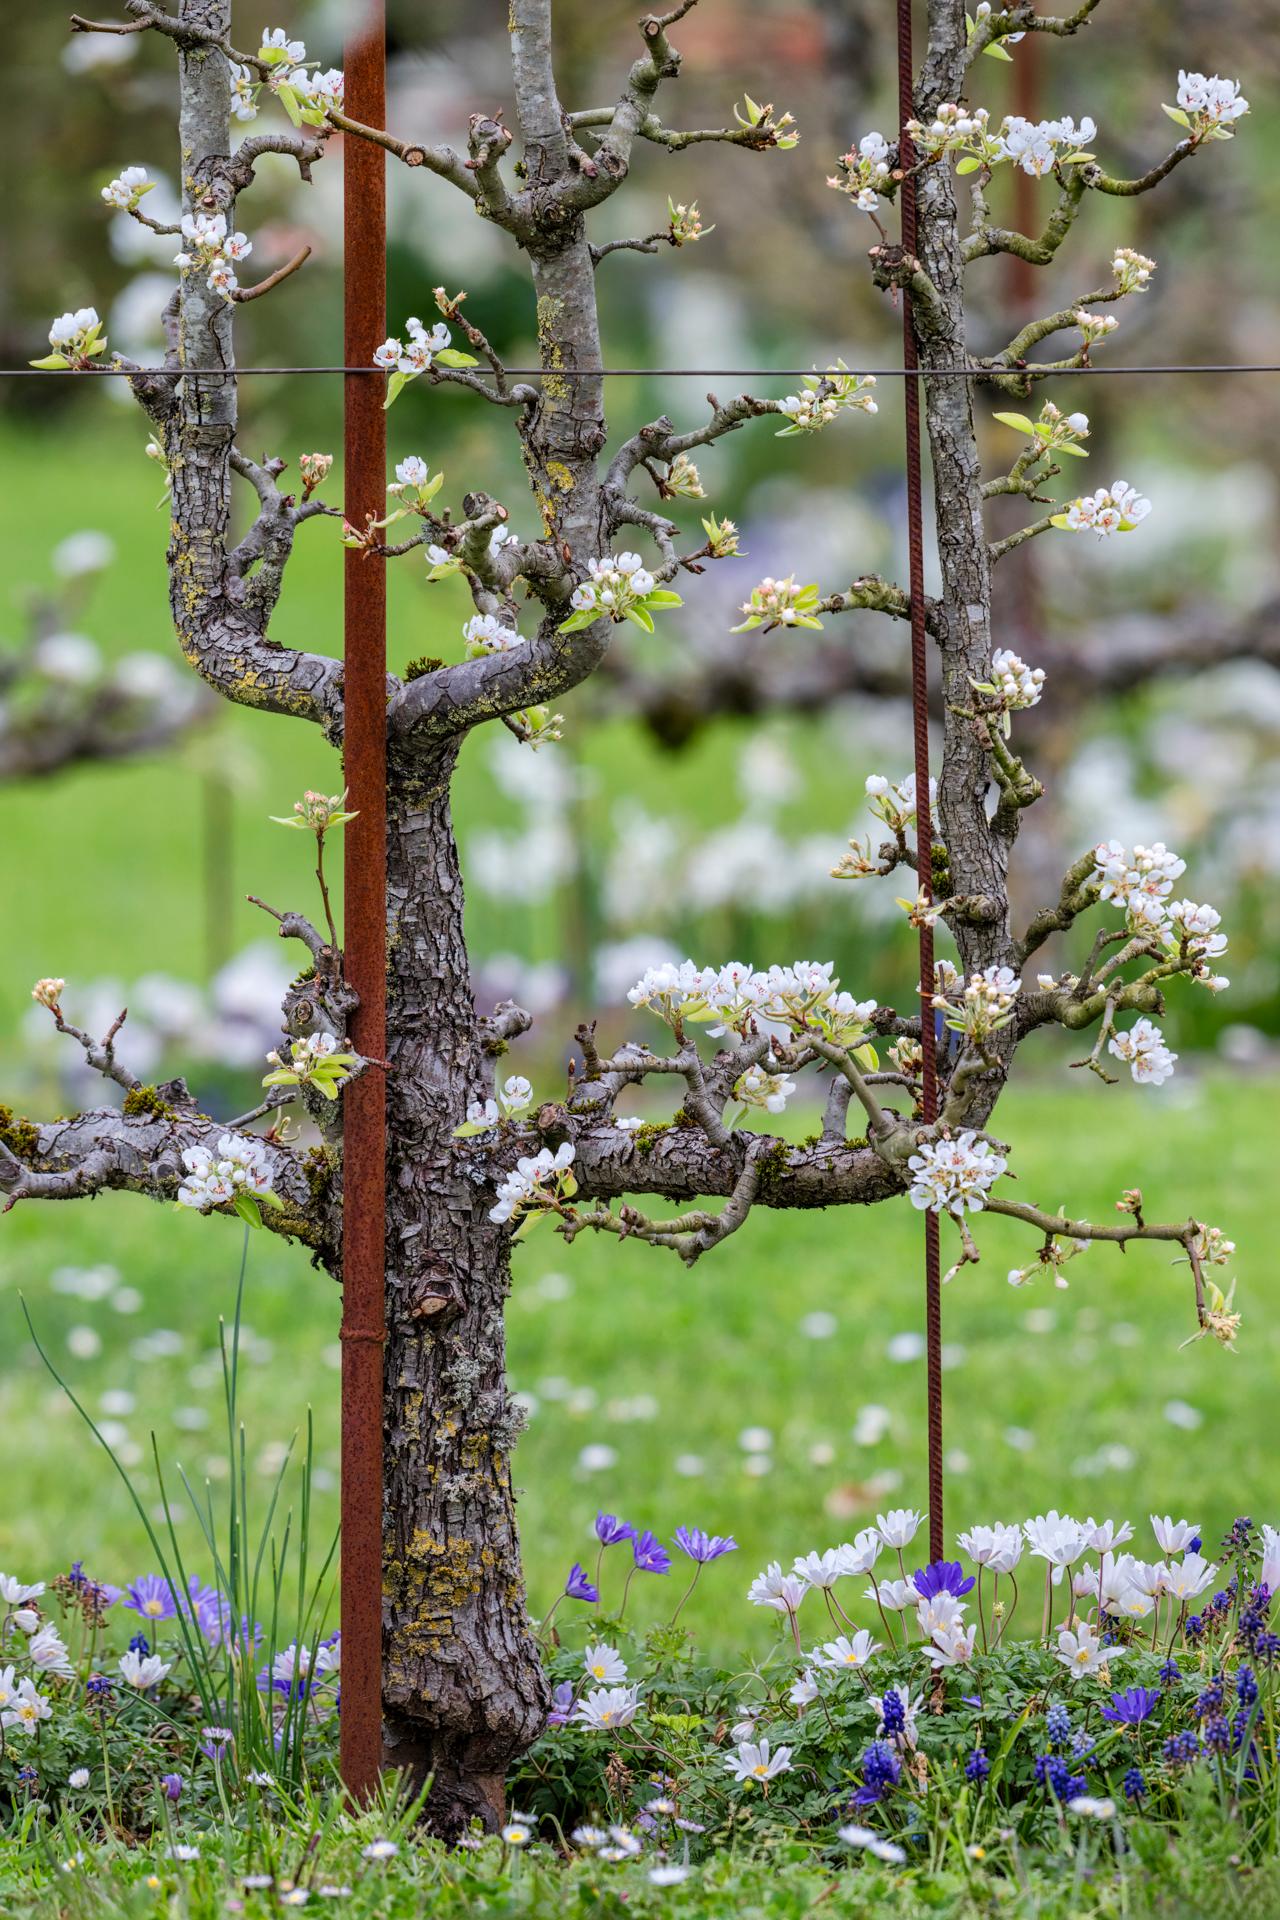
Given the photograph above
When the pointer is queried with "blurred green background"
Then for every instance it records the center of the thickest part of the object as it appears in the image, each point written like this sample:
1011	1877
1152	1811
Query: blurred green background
129	879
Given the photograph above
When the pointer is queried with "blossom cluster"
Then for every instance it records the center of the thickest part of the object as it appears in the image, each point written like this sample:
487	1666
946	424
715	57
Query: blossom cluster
684	223
1054	431
780	603
802	996
986	1004
994	48
1115	509
1132	270
954	1173
618	587
1144	1052
1207	105
210	249
306	96
422	348
238	1172
316	813
865	172
1037	146
515	1096
315	1060
758	1087
825	395
485	633
1013	685
537	1182
1140	879
414	487
76	338
128	187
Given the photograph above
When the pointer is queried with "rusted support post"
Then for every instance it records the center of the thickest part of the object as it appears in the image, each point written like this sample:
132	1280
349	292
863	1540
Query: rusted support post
924	812
365	912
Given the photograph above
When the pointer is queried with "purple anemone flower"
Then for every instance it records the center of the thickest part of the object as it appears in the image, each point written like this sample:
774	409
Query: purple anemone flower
1131	1708
650	1554
152	1597
943	1576
578	1587
703	1547
561	1704
610	1529
172	1784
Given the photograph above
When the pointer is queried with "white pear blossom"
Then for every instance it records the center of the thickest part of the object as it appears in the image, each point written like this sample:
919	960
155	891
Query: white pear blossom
239	1167
954	1174
1111	510
618	587
244	91
485	633
537	1181
759	1088
1144	1052
1132	270
127	188
1207	105
208	247
864	171
824	397
780	603
516	1094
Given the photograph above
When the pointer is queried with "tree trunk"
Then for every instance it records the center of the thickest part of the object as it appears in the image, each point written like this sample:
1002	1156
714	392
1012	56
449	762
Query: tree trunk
464	1692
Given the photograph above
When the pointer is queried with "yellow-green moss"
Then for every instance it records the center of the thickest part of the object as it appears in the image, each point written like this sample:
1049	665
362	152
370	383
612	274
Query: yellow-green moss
19	1134
144	1103
425	663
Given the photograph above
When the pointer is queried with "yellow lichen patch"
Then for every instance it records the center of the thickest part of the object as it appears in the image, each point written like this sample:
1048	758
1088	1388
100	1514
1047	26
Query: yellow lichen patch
560	474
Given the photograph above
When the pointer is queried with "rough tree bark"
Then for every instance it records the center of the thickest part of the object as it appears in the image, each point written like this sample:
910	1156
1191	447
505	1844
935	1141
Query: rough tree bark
464	1689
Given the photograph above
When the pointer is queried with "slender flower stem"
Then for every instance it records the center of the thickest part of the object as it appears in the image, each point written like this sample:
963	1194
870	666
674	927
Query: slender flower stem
697	1571
982	1618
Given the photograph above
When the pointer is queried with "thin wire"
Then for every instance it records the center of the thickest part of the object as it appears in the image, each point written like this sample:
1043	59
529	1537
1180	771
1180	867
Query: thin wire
924	812
656	373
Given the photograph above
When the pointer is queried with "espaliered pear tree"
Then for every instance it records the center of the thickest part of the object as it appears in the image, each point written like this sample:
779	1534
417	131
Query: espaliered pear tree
472	1164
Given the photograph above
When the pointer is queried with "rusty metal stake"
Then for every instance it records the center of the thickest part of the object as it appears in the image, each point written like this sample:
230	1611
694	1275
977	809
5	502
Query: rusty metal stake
365	912
924	812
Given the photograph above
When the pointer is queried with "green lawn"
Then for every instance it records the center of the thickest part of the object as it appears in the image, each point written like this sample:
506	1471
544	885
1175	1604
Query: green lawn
1052	1398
